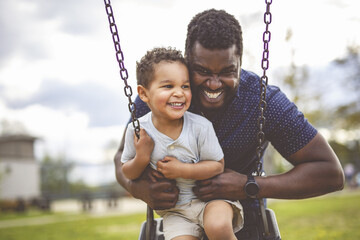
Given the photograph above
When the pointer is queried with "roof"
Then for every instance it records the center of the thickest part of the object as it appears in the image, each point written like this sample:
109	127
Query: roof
16	137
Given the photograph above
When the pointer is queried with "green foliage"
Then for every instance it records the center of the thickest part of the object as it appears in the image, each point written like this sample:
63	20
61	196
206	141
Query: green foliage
54	175
349	113
295	82
348	153
312	96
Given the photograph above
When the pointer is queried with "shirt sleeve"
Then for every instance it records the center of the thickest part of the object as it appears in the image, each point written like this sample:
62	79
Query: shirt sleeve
289	130
208	143
129	148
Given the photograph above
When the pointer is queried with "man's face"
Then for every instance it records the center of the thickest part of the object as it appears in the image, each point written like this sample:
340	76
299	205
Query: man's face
215	76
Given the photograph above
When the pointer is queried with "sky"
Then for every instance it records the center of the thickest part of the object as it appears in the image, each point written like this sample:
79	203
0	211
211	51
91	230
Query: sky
59	79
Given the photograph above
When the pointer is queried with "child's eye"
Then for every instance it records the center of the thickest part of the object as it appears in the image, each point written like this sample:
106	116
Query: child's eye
167	86
186	86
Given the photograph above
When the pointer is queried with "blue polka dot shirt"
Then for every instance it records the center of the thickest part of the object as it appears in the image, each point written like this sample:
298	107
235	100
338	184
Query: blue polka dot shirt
236	126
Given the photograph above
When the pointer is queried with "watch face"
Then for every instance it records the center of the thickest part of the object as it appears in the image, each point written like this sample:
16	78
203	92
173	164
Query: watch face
252	188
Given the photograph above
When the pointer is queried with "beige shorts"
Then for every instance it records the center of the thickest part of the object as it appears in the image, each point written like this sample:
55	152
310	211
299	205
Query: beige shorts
187	219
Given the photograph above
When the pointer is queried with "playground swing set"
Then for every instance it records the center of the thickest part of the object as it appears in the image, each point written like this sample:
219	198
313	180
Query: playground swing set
259	224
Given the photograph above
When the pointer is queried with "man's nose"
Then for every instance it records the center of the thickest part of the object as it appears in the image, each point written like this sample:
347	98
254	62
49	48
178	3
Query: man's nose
214	81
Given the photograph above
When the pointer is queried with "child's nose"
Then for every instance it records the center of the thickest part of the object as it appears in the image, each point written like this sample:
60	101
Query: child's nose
179	92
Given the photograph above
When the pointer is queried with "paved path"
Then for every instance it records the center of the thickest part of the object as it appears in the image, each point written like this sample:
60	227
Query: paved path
124	206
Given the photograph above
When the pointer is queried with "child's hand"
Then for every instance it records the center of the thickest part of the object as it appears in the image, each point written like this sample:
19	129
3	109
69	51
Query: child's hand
144	145
170	167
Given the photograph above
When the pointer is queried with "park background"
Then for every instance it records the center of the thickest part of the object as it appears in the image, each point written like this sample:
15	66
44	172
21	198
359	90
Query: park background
59	80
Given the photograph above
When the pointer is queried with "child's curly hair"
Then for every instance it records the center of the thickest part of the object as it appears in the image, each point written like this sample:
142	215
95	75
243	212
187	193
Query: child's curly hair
146	67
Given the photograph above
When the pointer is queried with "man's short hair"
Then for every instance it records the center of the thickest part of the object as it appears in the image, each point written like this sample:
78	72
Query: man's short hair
146	67
214	29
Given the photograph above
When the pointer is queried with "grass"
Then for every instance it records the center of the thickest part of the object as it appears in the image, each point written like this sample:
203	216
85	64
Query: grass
330	217
75	227
334	216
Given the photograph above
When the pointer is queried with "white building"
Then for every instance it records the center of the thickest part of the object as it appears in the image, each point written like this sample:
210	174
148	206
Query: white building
19	172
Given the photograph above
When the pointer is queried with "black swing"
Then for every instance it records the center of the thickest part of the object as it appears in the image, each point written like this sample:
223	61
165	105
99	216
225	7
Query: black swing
259	224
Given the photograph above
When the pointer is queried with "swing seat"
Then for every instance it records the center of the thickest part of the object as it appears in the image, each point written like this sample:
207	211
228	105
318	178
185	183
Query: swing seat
157	230
253	227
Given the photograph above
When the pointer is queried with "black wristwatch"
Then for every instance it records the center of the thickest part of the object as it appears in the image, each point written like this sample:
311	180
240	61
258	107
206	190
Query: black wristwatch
251	187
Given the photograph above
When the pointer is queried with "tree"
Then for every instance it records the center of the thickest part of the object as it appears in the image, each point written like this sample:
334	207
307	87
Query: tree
12	127
296	83
349	112
54	176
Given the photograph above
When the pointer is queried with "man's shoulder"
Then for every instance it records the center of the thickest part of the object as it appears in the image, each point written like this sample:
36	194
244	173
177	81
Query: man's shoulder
141	107
249	79
250	86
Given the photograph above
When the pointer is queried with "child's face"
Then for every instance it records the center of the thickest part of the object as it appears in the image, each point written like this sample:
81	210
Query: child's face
169	94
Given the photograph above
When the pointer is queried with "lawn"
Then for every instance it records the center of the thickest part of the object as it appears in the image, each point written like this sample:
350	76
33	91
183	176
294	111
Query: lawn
334	216
331	217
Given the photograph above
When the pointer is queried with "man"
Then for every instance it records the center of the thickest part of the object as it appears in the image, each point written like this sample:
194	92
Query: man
229	96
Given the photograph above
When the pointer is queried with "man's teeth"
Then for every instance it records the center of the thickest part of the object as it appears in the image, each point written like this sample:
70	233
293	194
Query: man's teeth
212	95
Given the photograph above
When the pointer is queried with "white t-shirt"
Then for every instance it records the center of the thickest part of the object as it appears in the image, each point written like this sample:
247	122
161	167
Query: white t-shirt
196	142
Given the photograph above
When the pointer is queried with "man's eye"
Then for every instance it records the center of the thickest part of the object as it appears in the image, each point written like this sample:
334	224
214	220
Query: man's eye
227	73
202	71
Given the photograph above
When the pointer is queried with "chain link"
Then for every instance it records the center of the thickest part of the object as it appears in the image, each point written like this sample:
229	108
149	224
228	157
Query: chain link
123	71
263	85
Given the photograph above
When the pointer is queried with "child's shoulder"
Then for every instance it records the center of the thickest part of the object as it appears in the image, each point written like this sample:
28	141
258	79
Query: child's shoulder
143	120
196	119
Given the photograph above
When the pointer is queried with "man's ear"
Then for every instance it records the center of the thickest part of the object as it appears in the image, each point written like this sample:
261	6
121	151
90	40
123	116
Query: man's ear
142	93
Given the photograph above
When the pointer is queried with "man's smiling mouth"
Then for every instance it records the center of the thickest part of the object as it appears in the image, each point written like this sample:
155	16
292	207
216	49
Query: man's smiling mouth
213	95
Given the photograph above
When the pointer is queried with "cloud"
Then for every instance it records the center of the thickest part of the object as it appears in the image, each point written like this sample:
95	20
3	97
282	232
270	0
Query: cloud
26	26
17	31
66	133
75	17
104	107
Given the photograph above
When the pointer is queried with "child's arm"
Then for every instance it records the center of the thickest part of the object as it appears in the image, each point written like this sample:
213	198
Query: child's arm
144	146
172	168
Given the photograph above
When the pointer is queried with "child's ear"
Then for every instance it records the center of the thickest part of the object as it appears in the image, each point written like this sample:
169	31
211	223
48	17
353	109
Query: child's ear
142	93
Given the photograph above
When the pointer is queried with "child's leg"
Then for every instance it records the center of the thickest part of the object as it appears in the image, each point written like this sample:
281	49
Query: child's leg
180	223
218	216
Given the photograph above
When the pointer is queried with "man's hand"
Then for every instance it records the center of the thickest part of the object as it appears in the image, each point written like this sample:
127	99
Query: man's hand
154	189
228	185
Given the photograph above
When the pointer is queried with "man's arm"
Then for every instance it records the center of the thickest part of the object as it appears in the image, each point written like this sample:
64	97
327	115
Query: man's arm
316	171
172	168
151	187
